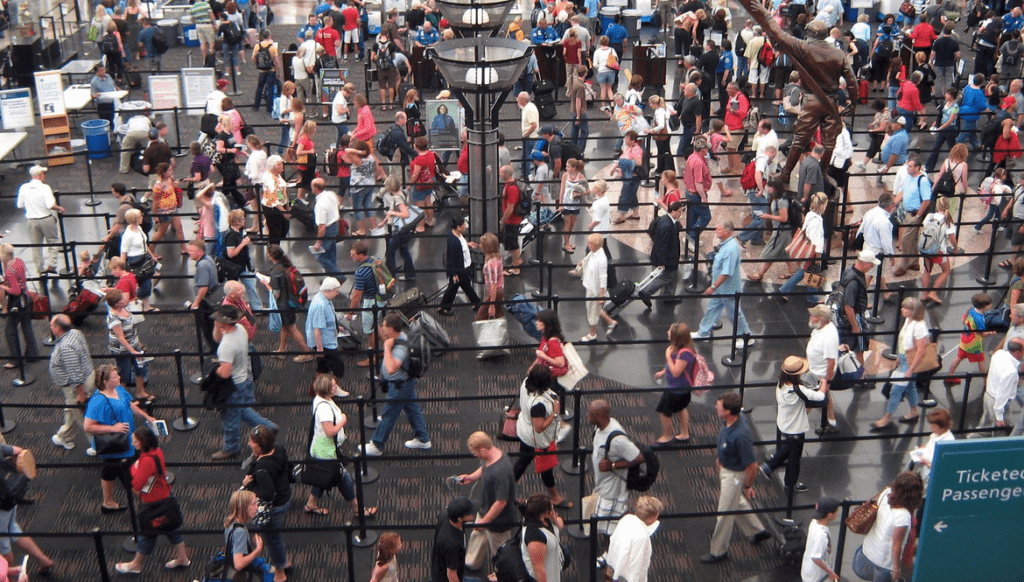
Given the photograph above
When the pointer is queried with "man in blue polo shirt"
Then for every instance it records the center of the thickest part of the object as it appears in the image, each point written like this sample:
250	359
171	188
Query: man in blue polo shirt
617	36
916	191
364	295
543	34
726	282
894	153
737	467
312	25
427	35
322	326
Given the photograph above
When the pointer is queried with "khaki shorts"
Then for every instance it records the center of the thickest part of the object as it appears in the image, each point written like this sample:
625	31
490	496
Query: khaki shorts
594	309
736	139
206	34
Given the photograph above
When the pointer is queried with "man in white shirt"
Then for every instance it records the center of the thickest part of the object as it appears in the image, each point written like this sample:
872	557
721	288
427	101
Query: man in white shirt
137	135
302	73
1001	384
629	550
765	137
876	230
37	199
611	459
327	214
339	108
529	123
600	209
595	283
822	355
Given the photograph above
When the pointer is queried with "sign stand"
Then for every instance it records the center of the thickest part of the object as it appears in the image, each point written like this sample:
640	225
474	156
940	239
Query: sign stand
54	118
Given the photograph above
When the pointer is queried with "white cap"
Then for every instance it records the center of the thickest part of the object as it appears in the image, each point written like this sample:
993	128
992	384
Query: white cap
901	120
868	257
36	170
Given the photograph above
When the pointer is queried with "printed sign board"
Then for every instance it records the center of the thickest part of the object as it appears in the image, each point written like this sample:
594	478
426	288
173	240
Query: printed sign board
197	84
50	93
16	109
444	124
165	92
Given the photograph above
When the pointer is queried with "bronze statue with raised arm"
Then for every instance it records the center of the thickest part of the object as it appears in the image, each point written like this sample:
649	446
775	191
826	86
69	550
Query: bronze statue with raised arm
821	65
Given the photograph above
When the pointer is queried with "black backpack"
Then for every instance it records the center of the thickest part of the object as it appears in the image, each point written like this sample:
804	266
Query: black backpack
264	61
796	212
571	151
508	560
418	361
836	298
331	160
638	477
385	61
233	35
107	44
13	485
386	145
160	45
147	220
885	46
947	185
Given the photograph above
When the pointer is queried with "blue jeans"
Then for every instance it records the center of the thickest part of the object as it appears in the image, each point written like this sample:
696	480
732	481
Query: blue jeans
231	418
684	147
252	292
283	144
128	368
342	130
362	200
993	213
742	66
716	305
272	536
698	215
146	544
580	132
942	138
329	258
791	284
528	145
867	570
401	391
400	243
754	230
265	89
145	286
627	197
967	132
901	389
347	487
893	92
231	55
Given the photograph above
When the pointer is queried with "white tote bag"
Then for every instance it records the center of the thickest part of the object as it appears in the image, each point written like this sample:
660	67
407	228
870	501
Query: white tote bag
576	368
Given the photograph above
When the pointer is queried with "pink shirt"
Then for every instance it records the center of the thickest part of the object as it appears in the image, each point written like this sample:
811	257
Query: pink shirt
697	171
366	128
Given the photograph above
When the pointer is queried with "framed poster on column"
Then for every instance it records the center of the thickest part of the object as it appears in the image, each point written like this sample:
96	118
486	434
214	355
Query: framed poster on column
444	124
16	109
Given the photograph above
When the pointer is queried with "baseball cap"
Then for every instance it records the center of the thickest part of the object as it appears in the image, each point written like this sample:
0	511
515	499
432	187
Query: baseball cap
821	310
154	133
221	83
901	120
825	506
538	156
547	130
868	257
459	507
36	170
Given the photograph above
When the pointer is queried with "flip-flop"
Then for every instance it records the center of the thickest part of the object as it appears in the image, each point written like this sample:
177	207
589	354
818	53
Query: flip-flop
564	504
315	510
10	366
151	310
679	440
784	276
369	512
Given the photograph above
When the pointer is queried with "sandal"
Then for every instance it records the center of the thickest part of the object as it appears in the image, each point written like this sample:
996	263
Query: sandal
176	564
568	249
369	512
151	310
755	278
10	366
315	510
1007	264
785	276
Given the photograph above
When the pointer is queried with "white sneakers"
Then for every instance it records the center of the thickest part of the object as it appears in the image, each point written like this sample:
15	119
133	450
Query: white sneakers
56	440
417	444
90	451
370	450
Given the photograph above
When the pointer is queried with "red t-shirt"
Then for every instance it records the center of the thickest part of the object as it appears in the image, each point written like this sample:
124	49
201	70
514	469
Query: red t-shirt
304	143
351	15
509	198
552	347
327	37
128	285
145	468
424	181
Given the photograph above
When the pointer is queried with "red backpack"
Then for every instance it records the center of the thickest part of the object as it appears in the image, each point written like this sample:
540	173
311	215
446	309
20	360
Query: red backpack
766	56
298	297
748	180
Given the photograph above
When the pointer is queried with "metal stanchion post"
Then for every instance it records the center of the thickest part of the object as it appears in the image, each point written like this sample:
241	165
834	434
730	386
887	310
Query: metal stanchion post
129	544
177	134
64	246
890	354
550	267
963	403
363	538
788	521
987	279
695	286
731	360
539	291
367	474
197	378
372	421
743	373
101	554
92	201
184	423
578	531
841	542
593	548
349	553
234	81
577	464
23	379
875	318
6	426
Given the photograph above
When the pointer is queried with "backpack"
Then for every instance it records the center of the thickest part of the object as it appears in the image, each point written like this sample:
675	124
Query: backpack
385	61
796	212
508	560
386	145
331	160
523	206
108	44
885	46
993	129
1011	59
835	299
748	180
264	61
766	56
933	230
233	35
298	297
147	220
752	119
740	44
160	45
701	375
947	185
571	151
537	14
418	361
638	477
385	280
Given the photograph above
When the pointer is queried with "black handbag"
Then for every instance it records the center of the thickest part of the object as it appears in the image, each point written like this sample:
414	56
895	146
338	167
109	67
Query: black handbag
228	270
145	270
111	443
163	515
322	474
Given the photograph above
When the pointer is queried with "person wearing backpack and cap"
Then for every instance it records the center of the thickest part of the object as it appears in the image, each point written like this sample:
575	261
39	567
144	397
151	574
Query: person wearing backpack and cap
401	391
611	459
791	421
818	563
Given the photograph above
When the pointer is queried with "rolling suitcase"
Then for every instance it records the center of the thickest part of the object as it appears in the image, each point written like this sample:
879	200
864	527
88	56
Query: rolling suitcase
544	98
864	90
491	334
133	76
422	324
408	303
350	335
303	212
627	291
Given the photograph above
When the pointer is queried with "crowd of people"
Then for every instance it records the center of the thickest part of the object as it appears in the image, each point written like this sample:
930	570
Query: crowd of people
240	192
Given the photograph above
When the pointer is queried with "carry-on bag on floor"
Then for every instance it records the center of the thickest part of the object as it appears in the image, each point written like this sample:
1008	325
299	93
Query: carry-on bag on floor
529	231
525	313
544	98
408	303
422	324
350	334
621	296
303	212
491	334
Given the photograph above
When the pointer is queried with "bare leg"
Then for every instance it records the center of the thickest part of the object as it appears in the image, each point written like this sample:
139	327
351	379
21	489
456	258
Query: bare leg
29	546
684	424
108	494
666	428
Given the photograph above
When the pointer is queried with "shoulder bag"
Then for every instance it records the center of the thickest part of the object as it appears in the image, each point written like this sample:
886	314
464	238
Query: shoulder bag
863	517
161	516
929	362
801	248
577	370
111	443
507	421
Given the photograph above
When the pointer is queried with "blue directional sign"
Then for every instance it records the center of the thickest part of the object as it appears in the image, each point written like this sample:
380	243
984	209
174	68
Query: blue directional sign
973	525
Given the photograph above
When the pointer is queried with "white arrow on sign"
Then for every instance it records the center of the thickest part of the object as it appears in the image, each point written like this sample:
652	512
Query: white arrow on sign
941	526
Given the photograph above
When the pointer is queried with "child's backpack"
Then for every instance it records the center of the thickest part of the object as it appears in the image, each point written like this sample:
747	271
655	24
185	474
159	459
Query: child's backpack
298	297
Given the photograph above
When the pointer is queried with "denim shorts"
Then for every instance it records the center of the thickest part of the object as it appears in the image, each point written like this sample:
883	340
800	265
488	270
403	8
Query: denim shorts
9	526
606	78
418	195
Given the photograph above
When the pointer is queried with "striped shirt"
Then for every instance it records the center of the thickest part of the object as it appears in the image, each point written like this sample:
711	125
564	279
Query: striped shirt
201	12
494	277
70	364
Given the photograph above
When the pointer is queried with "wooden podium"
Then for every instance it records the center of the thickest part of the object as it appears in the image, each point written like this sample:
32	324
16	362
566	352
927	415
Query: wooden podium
652	69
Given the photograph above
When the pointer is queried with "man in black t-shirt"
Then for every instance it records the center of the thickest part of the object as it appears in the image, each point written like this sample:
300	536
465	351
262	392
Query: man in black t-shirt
448	556
497	501
945	52
855	302
691	117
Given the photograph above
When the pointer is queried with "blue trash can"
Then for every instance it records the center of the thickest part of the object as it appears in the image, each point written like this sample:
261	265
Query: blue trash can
189	32
607	15
97	138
